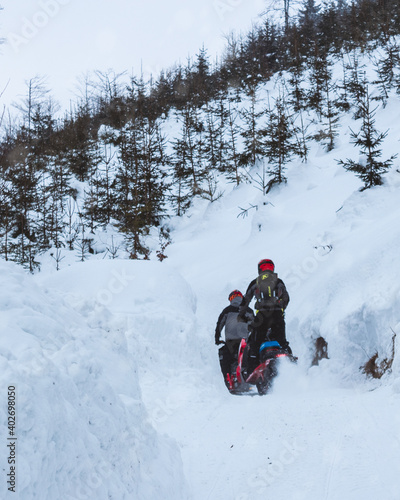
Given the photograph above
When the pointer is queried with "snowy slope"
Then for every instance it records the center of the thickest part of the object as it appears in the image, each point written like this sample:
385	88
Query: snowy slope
321	433
327	431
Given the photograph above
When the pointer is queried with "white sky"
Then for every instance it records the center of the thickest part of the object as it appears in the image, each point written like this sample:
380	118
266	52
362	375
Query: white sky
65	39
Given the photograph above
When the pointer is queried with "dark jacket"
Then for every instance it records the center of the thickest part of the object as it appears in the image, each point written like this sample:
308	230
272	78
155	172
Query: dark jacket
280	293
234	329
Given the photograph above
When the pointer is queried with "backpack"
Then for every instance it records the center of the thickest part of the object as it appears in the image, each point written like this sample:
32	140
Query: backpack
265	290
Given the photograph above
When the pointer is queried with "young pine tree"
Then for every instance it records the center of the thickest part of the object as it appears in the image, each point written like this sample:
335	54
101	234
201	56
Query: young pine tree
320	73
22	181
139	185
387	70
129	189
181	193
308	32
251	132
369	168
6	219
280	144
233	170
189	151
328	109
355	81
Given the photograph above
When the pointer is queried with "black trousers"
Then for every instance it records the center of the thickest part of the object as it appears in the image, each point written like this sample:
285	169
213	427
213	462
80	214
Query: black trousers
228	355
267	325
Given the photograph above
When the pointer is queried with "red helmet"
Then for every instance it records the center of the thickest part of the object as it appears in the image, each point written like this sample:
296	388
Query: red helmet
235	293
266	265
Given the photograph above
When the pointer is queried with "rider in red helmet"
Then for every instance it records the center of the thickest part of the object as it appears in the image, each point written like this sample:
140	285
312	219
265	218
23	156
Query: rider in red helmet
272	299
234	332
266	265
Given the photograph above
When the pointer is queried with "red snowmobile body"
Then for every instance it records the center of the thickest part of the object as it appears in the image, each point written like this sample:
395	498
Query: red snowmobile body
271	353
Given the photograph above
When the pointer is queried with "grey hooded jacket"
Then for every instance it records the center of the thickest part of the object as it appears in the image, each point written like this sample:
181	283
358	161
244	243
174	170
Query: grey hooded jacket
234	330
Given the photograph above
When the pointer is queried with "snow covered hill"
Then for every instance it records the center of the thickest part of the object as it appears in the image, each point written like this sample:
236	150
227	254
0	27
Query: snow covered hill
119	391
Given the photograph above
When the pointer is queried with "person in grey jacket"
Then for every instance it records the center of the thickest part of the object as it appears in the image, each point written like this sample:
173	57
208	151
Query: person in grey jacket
235	331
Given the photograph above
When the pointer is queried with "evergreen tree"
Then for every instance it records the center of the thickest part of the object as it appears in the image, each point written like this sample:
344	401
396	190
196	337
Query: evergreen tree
211	152
54	187
212	139
330	26
56	191
23	181
81	148
387	69
27	153
234	158
199	79
231	70
221	113
181	194
109	99
328	105
189	149
343	96
83	243
353	29
320	74
6	220
330	116
370	168
162	92
91	212
155	161
296	90
102	196
308	24
356	83
280	144
129	204
139	183
253	148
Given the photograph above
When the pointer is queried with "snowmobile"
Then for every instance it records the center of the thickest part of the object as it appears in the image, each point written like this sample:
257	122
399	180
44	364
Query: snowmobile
271	353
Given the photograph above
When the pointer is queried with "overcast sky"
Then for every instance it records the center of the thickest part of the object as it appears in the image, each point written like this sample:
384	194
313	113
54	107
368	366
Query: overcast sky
64	39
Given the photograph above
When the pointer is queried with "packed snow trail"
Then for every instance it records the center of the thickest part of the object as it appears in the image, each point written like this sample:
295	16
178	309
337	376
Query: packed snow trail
309	440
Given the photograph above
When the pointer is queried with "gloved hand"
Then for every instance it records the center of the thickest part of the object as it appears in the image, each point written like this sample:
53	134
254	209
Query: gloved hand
242	319
218	341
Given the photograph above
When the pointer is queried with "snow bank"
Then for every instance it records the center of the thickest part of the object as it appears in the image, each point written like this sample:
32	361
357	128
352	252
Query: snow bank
149	302
82	429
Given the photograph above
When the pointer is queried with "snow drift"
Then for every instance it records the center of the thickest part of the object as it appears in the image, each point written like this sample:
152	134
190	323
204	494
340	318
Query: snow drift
82	429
